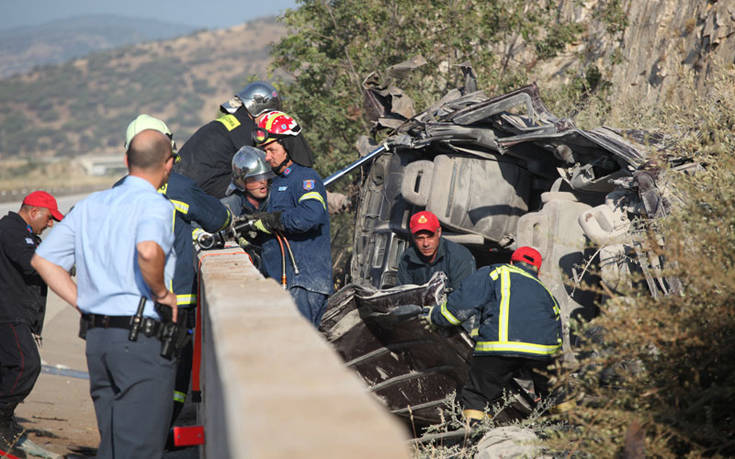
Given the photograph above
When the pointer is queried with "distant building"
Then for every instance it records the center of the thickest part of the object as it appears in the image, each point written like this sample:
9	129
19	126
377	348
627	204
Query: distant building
103	165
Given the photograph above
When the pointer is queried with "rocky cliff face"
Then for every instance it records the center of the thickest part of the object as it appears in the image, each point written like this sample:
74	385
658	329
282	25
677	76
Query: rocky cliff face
664	42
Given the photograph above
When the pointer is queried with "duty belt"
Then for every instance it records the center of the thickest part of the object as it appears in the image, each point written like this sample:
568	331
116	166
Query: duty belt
149	327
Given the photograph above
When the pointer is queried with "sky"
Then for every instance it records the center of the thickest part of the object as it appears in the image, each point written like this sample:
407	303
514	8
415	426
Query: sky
210	14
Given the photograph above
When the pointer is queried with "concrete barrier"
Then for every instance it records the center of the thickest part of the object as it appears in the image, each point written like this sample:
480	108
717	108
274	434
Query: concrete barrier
272	386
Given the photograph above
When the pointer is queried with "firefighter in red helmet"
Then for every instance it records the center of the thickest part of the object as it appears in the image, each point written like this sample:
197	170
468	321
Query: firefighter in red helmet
519	330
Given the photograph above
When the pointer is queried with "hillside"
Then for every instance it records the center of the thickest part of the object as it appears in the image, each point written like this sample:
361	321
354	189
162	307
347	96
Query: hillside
23	48
83	106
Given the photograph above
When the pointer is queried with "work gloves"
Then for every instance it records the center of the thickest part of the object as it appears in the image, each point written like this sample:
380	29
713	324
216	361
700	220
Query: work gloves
268	222
425	318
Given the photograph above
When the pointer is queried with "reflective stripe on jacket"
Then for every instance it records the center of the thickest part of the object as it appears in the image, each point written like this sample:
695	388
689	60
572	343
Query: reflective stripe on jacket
519	317
192	205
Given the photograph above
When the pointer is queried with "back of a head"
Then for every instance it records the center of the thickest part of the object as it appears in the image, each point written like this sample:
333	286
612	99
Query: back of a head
527	255
143	122
148	150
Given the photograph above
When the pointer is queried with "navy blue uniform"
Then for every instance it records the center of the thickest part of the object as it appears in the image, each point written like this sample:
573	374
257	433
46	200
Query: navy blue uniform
452	259
238	203
519	317
206	157
192	205
22	308
519	330
299	194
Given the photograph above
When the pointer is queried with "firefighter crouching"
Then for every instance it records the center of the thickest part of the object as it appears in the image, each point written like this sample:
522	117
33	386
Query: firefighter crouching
519	328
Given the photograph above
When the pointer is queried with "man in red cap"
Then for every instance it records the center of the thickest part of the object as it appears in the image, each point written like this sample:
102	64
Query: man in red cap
431	253
22	306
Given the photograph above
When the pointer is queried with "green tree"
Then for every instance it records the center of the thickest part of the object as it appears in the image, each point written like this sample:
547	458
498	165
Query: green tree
336	44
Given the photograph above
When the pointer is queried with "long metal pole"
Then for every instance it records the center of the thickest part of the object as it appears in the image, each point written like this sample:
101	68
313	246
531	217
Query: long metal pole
341	173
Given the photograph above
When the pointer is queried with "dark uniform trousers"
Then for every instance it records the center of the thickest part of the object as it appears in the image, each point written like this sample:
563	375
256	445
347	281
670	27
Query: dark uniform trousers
131	386
489	375
20	364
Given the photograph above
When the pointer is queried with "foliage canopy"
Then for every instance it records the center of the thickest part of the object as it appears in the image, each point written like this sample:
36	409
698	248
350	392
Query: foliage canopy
334	45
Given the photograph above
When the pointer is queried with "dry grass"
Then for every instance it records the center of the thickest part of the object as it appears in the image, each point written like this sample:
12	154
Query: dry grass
662	379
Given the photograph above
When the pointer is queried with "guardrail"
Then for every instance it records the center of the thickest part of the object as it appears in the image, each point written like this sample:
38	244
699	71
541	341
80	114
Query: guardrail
271	385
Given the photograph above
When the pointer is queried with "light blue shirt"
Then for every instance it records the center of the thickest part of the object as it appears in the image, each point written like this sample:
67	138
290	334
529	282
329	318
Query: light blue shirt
100	235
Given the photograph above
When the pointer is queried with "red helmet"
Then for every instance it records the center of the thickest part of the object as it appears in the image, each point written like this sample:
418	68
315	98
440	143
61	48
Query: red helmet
527	255
273	125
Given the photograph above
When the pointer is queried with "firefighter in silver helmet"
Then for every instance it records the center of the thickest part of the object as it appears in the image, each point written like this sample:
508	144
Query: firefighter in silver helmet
206	157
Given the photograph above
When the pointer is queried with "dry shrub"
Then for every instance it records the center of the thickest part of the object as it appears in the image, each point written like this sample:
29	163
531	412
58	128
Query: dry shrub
661	377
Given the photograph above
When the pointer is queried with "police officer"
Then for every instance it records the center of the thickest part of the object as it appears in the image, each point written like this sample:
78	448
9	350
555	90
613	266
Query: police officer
121	242
431	253
192	206
519	332
22	306
297	210
206	156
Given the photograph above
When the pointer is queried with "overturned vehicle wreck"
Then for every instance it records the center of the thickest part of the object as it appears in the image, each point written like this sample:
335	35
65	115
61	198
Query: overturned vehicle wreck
499	173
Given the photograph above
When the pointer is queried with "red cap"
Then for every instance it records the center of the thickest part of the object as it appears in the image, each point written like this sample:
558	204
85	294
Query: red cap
423	221
43	199
527	255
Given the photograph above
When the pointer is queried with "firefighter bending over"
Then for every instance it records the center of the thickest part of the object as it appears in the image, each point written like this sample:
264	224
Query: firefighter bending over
519	331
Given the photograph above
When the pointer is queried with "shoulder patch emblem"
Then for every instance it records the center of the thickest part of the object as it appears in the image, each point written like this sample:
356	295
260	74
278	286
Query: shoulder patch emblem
309	185
282	188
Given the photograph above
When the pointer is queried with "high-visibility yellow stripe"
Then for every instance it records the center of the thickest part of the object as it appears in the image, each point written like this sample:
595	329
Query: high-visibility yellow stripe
179	396
504	304
448	315
475	332
186	299
163	188
227	221
180	206
516	346
229	121
313	195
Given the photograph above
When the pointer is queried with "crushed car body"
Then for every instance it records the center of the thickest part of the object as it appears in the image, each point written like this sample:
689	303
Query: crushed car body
499	173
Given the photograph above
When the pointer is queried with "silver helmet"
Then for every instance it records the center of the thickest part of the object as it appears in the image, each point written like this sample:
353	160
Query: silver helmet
248	163
259	97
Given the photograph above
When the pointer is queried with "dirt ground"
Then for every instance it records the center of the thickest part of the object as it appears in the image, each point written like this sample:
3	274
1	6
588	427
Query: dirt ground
59	414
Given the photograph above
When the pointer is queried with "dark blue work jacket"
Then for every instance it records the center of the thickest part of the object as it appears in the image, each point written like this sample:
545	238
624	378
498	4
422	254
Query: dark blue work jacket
454	260
519	317
192	204
299	194
238	204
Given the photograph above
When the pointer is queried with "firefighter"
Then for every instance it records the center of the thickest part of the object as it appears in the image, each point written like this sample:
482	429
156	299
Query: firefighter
297	210
192	206
248	189
431	253
519	331
206	156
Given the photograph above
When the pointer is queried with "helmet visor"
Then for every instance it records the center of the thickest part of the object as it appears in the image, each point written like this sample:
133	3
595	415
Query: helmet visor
261	136
241	180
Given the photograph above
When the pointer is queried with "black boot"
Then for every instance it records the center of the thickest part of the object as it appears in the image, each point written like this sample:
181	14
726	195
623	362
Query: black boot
10	432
